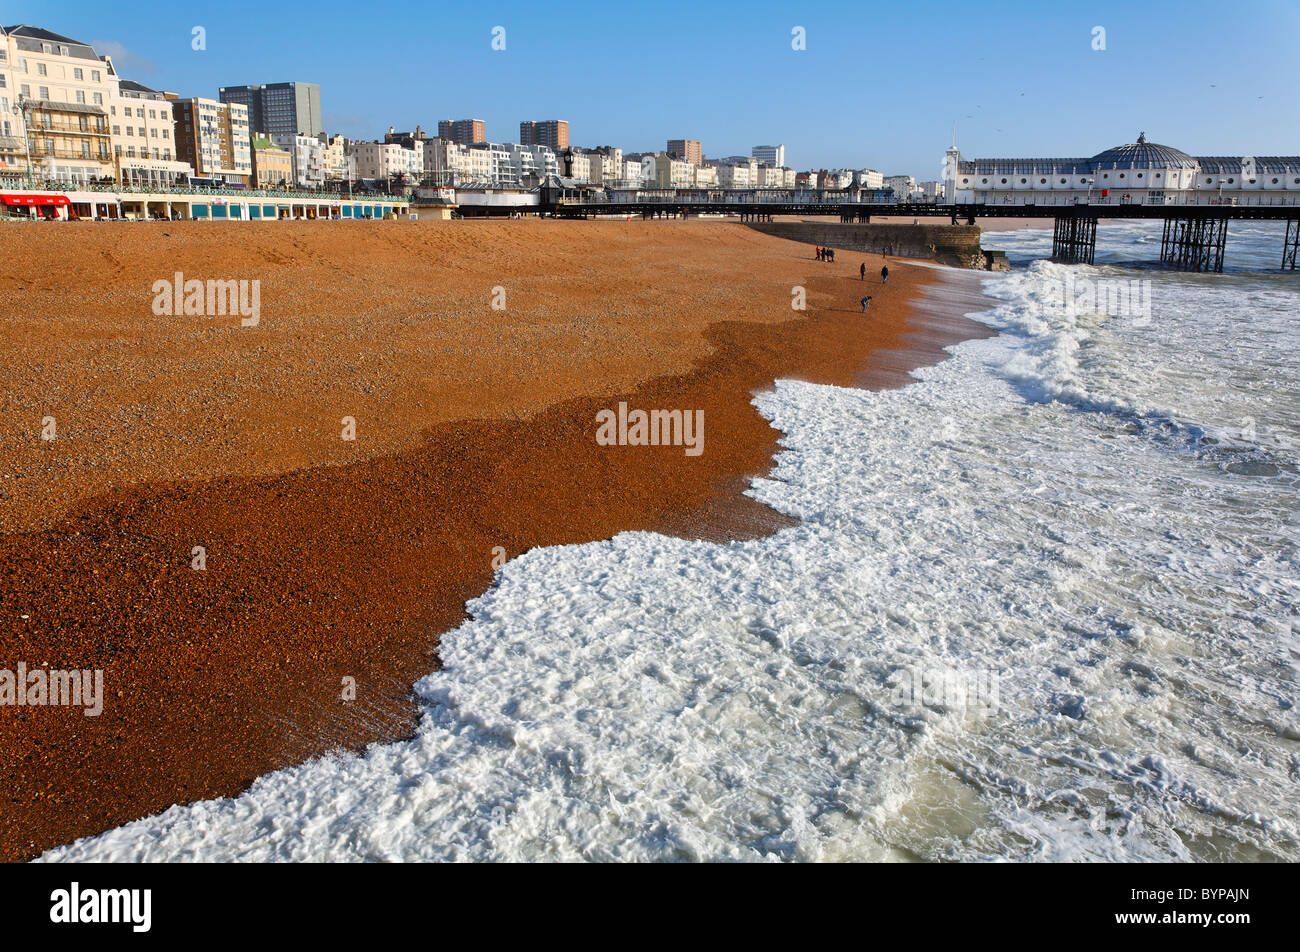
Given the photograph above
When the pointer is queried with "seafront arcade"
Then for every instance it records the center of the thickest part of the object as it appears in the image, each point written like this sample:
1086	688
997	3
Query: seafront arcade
89	203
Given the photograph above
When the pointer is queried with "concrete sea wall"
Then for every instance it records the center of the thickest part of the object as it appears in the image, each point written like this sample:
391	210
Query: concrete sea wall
955	245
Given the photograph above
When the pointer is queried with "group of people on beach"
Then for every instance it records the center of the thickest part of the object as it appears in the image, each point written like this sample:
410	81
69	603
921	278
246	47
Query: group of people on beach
828	254
862	275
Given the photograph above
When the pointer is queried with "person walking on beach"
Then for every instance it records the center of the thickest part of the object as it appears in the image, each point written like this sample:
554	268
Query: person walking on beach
819	253
884	275
865	301
862	272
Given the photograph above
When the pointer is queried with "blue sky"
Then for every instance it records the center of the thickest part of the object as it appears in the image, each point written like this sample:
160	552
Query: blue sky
879	85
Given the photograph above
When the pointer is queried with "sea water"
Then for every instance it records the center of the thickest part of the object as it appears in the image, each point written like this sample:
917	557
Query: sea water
1041	604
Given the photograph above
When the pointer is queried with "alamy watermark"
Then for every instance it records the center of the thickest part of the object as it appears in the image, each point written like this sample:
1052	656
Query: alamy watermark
195	298
48	687
922	686
1072	296
683	428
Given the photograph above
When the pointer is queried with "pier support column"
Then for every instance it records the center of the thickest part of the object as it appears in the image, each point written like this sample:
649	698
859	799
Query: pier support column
1291	244
1194	243
1074	239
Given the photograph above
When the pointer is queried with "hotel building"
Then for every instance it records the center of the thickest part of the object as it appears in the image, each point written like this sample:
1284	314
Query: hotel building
54	99
144	137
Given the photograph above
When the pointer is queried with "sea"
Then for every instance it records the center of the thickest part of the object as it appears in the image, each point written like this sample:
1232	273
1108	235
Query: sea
1040	604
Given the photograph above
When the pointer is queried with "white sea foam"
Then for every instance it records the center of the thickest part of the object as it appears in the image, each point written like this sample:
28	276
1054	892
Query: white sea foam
1057	512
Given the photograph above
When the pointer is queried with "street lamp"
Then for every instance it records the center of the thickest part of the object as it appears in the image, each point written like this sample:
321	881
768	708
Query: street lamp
20	110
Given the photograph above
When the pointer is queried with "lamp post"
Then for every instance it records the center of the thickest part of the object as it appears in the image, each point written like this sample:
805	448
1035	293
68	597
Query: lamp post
20	110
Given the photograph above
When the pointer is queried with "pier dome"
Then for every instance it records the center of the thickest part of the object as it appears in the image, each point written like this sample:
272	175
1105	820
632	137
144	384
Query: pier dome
1143	155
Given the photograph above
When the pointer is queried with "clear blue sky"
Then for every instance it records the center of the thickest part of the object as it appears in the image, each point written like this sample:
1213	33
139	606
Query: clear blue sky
878	86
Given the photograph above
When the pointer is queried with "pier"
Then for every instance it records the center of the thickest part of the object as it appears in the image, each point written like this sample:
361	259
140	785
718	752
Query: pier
1195	233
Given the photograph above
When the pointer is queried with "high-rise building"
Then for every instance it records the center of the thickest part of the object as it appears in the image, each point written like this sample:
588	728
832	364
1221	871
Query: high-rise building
689	150
278	109
773	155
549	132
462	131
214	137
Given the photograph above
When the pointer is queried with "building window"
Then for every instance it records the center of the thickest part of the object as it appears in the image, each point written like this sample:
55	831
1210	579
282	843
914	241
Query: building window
77	74
81	96
40	70
45	92
99	99
94	75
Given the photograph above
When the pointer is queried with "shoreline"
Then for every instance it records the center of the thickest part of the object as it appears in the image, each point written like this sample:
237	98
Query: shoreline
351	570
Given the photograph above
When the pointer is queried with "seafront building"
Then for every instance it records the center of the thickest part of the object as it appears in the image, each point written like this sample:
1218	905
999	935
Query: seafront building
279	109
902	185
54	97
388	160
1140	173
308	157
215	139
338	165
272	165
144	136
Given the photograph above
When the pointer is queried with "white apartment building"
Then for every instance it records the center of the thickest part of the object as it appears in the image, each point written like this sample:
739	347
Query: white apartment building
868	178
633	174
736	176
500	166
903	186
706	176
337	163
533	162
581	164
308	155
661	170
383	160
931	191
767	176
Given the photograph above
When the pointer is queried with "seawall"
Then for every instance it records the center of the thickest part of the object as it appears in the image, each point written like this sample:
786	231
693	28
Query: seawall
955	245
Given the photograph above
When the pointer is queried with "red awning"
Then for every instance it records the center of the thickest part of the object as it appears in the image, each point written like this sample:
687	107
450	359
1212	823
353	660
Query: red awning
35	200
